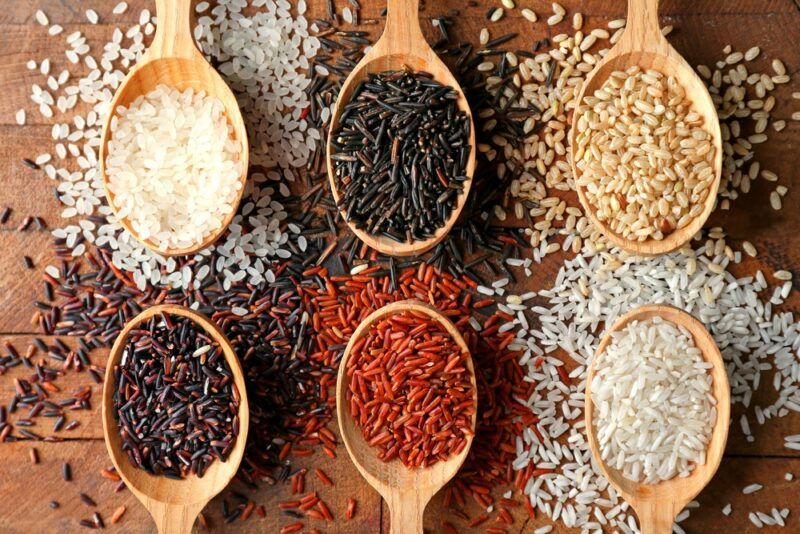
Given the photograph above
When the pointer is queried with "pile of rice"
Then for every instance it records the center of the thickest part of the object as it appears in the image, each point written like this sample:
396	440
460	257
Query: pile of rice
173	166
653	408
644	159
263	49
561	322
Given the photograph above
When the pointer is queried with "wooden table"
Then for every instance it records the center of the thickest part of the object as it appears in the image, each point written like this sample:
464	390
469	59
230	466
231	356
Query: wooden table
702	30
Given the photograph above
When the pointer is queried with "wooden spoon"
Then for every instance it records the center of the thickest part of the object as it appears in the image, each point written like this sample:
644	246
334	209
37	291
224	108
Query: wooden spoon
643	44
401	46
174	60
657	505
174	504
406	491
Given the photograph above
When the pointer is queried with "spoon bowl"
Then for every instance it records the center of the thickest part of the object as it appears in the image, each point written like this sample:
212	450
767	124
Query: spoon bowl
402	46
406	491
643	44
656	505
173	504
173	60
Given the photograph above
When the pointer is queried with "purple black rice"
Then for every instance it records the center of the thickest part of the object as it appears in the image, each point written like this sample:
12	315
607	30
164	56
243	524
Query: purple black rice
175	398
400	155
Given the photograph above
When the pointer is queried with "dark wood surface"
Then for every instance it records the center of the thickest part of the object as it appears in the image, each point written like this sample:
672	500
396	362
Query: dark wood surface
702	29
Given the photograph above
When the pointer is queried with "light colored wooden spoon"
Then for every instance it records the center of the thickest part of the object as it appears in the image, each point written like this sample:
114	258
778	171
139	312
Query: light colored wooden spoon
643	44
174	504
401	46
406	491
657	505
173	59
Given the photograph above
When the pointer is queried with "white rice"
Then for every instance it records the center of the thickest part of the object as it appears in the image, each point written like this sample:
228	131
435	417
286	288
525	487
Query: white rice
263	50
588	294
41	18
654	411
752	488
173	166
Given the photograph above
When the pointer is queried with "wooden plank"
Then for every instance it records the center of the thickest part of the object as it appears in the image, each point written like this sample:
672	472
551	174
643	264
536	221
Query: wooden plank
20	287
32	487
72	11
27	191
769	24
90	425
37	485
726	487
436	513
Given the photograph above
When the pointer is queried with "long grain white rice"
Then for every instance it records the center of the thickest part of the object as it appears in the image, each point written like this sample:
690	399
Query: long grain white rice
654	411
752	488
754	339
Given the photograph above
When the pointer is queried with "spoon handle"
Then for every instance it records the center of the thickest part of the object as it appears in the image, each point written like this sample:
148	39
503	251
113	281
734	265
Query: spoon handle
173	518
173	36
642	22
402	33
655	517
406	510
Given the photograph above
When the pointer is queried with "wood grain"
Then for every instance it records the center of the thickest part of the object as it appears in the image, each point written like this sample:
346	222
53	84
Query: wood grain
29	488
702	30
89	421
25	482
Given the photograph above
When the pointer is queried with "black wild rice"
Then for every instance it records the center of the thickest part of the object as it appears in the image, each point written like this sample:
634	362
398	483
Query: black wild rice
30	164
477	234
175	398
87	523
400	155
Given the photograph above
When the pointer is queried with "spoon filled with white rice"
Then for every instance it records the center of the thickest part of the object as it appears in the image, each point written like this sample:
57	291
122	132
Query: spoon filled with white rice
657	411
